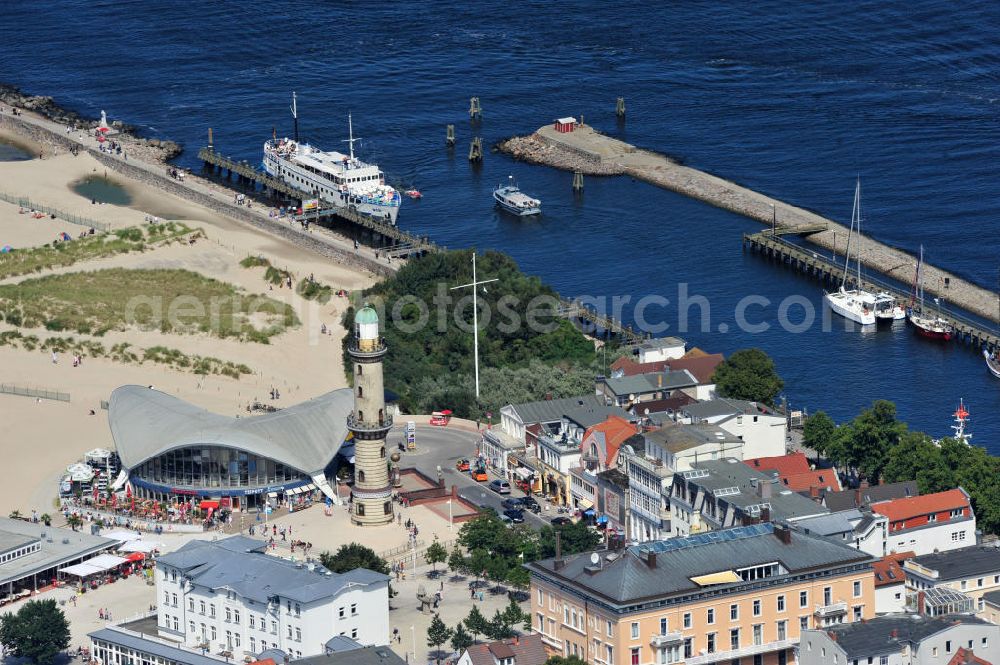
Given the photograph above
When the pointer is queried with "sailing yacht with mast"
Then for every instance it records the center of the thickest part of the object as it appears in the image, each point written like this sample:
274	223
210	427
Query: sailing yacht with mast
857	305
928	324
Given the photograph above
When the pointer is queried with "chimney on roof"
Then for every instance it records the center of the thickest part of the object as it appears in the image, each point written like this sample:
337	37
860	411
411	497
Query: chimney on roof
921	602
659	380
651	558
857	496
764	489
784	533
894	634
558	563
765	514
813	492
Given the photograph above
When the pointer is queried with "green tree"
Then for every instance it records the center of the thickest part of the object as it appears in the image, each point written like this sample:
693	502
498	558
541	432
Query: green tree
819	432
518	578
748	374
39	631
352	556
476	622
46	519
74	521
498	628
565	660
513	615
872	434
438	634
436	553
460	639
575	538
456	560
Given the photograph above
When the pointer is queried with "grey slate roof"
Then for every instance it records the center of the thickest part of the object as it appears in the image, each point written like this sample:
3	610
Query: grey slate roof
725	473
552	410
961	563
713	408
150	645
590	415
845	499
647	383
363	656
146	423
627	578
831	524
614	477
340	643
51	555
992	597
239	563
874	637
678	437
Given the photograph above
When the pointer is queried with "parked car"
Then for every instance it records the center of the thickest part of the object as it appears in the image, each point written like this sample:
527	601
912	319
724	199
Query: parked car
514	515
512	503
478	472
508	522
500	486
529	503
462	464
561	521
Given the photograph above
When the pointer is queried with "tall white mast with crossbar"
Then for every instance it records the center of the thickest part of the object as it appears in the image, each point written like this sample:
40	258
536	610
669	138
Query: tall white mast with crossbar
475	313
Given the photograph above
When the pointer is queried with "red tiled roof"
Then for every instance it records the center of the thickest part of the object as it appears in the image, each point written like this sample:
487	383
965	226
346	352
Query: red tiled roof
824	479
889	570
783	464
526	650
964	655
902	509
702	367
629	367
616	431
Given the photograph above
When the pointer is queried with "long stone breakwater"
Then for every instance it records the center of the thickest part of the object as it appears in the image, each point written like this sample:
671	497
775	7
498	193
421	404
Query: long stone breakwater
592	153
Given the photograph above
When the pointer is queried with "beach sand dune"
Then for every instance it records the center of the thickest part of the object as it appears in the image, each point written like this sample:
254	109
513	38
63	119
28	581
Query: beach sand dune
42	437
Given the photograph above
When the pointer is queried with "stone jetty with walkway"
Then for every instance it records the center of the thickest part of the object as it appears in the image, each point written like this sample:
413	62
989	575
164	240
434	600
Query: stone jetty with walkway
592	153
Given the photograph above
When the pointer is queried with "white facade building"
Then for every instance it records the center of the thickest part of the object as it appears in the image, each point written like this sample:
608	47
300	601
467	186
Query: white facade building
763	431
228	595
661	348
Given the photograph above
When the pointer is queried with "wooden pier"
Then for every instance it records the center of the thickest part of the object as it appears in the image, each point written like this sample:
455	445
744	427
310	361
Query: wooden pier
398	241
776	248
575	310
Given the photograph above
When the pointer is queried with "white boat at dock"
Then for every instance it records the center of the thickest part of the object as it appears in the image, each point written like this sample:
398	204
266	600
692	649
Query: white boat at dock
339	180
857	305
510	198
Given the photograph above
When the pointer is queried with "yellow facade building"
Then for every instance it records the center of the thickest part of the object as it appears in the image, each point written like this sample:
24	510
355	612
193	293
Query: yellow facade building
740	595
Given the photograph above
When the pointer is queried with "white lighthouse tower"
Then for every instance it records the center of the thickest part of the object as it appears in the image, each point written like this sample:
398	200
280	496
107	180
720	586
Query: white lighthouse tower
369	423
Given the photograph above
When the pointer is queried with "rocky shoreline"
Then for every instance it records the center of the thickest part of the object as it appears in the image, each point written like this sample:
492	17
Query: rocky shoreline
536	150
148	149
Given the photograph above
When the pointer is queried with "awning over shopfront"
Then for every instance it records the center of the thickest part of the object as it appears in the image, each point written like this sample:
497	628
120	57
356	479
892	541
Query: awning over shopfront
121	535
206	504
524	474
143	546
135	556
99	564
585	504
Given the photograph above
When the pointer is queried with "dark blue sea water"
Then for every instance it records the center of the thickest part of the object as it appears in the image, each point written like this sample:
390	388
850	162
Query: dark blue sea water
793	99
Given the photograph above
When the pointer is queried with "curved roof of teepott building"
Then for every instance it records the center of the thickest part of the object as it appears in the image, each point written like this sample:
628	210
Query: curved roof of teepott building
146	423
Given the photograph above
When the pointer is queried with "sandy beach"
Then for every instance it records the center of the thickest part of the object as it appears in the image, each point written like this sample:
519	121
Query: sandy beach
43	437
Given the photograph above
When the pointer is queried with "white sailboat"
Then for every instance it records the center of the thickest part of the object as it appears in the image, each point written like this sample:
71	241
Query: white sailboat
855	304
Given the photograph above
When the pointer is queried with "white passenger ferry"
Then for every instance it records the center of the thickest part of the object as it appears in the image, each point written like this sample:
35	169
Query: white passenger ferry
339	180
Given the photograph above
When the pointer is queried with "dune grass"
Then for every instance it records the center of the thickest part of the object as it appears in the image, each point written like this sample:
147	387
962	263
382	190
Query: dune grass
58	254
164	300
126	353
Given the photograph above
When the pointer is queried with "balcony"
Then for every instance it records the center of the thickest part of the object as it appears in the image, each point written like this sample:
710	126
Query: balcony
383	425
831	610
378	349
752	650
659	640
